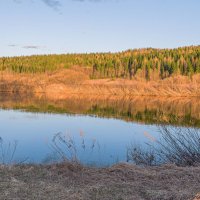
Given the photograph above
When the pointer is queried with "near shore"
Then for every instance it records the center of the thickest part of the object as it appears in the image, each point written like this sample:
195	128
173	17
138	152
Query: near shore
122	181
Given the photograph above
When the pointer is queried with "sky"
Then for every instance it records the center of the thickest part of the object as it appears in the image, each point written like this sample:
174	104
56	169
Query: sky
81	26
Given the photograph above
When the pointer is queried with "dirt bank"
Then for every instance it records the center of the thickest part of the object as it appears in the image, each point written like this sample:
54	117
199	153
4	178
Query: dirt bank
61	84
122	181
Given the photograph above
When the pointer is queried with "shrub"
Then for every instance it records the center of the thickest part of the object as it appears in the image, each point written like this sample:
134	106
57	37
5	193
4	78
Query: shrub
180	146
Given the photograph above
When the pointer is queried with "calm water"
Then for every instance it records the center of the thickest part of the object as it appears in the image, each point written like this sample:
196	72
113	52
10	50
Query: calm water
100	140
105	140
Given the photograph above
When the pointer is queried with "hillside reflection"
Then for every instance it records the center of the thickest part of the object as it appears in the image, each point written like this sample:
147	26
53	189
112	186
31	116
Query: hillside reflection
148	110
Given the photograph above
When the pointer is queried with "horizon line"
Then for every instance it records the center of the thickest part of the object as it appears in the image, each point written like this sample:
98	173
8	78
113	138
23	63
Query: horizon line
102	52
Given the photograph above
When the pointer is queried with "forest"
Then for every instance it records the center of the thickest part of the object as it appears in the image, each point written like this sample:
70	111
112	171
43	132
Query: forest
149	63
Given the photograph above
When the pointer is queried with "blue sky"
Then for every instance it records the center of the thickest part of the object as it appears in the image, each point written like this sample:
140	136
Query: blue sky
68	26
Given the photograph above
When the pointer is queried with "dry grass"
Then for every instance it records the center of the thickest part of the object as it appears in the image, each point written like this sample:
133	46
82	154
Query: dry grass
122	182
76	81
176	146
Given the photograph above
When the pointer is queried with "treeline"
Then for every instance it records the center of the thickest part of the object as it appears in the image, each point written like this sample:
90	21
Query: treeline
151	64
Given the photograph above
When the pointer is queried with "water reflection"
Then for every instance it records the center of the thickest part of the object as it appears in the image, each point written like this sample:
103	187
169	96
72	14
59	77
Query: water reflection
99	140
148	110
105	140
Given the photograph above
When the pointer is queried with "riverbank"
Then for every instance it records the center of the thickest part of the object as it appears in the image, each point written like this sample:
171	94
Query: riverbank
63	83
121	181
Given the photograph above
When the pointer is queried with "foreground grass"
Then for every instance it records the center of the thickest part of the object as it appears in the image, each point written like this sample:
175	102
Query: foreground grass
122	181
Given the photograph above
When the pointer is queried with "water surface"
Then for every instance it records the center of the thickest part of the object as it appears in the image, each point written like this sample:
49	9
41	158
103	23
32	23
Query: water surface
101	129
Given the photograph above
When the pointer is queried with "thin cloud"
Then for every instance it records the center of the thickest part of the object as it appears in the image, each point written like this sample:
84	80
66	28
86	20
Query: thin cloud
26	46
53	4
95	1
56	4
12	45
31	47
17	1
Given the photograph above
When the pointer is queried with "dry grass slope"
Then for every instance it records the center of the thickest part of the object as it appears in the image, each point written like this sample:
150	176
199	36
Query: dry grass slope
119	182
76	80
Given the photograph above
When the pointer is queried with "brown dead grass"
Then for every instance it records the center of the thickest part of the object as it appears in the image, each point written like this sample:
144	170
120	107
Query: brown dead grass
62	83
121	181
